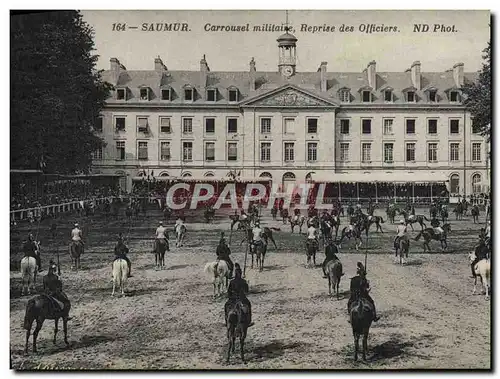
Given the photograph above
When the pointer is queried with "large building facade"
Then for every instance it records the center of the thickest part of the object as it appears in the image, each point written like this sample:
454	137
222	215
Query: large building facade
291	125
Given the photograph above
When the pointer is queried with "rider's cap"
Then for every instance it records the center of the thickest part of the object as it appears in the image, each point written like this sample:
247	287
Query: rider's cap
401	221
76	224
161	222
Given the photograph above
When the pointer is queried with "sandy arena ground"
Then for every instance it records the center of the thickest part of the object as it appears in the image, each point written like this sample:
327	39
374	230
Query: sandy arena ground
169	320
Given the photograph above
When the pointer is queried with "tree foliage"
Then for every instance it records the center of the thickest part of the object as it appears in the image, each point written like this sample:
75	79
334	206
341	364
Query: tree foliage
56	92
478	96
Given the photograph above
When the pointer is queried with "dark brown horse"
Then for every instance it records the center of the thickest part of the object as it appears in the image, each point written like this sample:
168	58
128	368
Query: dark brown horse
237	324
361	314
414	219
429	234
334	272
311	248
475	213
402	247
75	251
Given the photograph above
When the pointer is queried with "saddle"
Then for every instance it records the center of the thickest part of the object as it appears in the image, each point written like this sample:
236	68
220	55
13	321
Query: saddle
57	304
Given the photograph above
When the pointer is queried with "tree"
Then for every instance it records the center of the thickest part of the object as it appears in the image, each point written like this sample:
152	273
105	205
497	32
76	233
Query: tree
478	97
56	92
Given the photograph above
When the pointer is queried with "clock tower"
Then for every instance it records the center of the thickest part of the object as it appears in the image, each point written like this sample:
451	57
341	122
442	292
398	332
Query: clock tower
287	45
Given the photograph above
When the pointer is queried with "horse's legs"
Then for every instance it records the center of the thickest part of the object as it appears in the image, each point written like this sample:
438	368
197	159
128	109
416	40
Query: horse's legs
28	332
114	286
365	344
39	323
356	346
475	282
56	322
242	345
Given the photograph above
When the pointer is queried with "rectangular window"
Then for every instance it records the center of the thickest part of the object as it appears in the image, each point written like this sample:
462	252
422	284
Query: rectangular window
410	96
345	96
120	150
344	152
454	126
121	94
187	125
432	126
120	124
344	126
367	97
312	125
289	152
210	151
312	152
187	151
232	125
454	152
289	125
144	92
142	124
142	150
211	95
388	152
233	95
98	124
388	125
388	96
265	151
164	150
410	126
432	96
366	152
454	96
232	151
476	151
432	152
366	127
410	152
97	154
189	94
210	125
265	125
165	126
166	94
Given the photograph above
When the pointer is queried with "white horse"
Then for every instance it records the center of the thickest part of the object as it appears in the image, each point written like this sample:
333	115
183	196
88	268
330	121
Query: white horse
120	275
29	271
219	271
180	233
483	270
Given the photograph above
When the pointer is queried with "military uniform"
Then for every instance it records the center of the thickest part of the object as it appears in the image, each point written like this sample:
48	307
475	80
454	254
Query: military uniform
237	290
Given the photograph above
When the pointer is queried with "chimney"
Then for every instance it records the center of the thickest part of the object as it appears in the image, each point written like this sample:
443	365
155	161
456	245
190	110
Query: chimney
322	71
159	66
458	74
371	71
204	69
415	74
116	67
252	74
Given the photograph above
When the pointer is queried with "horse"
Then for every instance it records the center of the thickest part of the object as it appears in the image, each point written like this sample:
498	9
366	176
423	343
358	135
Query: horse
402	247
120	275
326	231
237	324
444	214
412	219
433	211
352	233
459	211
161	246
334	272
218	270
75	251
29	270
44	307
284	215
475	213
260	251
274	213
377	220
311	252
429	235
209	214
361	314
267	235
296	221
483	270
391	212
180	234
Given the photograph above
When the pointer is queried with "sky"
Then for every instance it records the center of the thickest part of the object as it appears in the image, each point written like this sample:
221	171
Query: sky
344	51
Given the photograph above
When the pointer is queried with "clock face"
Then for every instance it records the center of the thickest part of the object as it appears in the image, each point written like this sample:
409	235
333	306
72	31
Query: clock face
287	71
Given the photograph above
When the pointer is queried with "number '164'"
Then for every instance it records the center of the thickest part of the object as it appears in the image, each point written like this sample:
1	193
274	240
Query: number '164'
119	27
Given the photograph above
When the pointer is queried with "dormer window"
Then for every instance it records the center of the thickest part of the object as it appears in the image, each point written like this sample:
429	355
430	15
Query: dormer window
188	94
345	95
388	96
410	96
166	94
211	94
121	94
367	96
454	96
233	95
144	93
433	96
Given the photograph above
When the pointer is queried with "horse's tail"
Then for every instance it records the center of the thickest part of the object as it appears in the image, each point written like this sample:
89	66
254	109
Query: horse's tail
381	220
418	236
29	315
425	218
232	318
208	268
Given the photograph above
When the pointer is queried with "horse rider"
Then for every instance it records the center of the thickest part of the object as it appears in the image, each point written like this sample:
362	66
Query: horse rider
223	253
400	230
437	226
178	222
121	251
312	237
481	254
237	290
53	287
76	236
257	234
487	233
329	256
361	287
30	249
244	216
161	235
